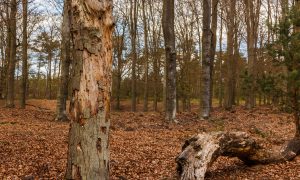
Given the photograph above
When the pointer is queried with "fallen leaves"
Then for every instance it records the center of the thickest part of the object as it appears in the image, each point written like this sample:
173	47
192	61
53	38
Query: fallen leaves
143	146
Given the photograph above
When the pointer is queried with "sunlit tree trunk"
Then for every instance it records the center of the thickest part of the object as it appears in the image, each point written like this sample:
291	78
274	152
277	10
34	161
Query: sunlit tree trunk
24	56
61	114
92	26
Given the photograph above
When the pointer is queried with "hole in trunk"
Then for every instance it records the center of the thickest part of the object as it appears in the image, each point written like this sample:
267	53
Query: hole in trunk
98	145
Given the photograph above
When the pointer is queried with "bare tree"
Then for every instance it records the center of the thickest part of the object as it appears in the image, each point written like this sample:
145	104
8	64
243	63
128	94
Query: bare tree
214	27
24	56
61	114
169	36
252	12
133	33
229	87
206	60
12	57
146	56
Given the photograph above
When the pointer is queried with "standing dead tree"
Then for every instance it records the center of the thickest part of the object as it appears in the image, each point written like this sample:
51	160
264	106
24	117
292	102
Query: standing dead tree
91	28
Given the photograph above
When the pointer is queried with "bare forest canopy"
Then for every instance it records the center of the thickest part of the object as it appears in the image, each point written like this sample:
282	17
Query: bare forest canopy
166	56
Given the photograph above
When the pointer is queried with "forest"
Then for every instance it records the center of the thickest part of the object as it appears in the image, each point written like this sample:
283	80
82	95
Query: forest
149	89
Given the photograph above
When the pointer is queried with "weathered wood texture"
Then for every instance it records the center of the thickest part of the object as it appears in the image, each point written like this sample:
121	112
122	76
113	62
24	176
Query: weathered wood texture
91	29
199	152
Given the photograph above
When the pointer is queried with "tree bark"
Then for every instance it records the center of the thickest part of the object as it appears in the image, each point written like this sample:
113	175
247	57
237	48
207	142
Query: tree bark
296	98
229	89
3	63
91	30
24	56
252	12
146	55
220	63
12	60
206	60
214	26
169	36
199	152
61	114
49	77
133	33
120	47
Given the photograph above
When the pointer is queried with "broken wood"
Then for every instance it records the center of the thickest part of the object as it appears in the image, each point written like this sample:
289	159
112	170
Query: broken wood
199	152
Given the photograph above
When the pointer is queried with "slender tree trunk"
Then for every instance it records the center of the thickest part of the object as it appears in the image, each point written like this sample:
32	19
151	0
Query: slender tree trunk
169	36
88	155
119	73
220	63
133	32
156	81
146	55
229	63
214	26
61	114
37	89
3	64
49	77
24	56
12	61
206	60
236	55
252	20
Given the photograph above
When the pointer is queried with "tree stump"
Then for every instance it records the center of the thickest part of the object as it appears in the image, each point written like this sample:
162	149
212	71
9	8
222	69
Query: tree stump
199	152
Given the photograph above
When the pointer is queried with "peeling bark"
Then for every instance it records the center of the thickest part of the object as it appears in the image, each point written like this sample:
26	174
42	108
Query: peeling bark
91	29
199	152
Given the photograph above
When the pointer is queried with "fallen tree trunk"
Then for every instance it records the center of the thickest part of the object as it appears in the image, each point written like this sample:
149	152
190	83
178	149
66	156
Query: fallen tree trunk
199	152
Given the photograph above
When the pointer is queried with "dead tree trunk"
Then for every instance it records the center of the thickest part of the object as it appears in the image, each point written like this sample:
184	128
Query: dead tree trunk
199	152
92	26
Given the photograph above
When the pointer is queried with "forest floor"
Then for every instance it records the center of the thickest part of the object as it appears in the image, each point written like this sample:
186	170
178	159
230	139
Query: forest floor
143	146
